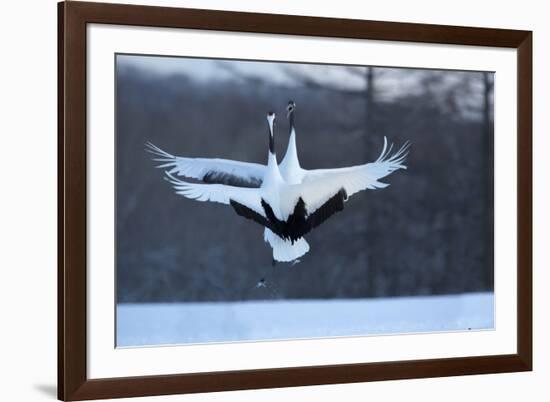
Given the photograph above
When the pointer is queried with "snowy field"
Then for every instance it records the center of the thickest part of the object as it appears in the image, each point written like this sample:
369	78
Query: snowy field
180	323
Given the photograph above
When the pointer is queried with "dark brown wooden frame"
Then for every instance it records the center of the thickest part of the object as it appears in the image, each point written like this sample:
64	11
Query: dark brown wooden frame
73	383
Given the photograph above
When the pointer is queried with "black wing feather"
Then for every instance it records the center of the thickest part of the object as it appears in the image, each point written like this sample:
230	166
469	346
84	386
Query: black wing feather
245	212
299	223
215	177
333	205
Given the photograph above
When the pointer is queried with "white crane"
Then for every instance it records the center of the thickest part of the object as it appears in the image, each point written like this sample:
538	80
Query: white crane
260	204
291	210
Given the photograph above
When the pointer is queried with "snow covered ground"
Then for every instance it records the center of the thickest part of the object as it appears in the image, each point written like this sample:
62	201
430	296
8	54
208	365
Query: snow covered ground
180	323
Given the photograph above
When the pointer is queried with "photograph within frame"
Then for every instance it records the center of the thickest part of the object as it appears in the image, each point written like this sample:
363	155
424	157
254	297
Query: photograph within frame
74	291
159	302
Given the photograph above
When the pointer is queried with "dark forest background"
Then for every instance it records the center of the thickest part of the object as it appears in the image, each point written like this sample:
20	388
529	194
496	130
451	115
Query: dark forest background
429	232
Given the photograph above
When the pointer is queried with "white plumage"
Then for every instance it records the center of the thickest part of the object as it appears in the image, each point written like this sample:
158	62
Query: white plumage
225	171
317	187
220	170
284	250
290	201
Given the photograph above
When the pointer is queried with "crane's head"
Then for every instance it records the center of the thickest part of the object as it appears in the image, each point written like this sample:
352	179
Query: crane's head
290	108
270	119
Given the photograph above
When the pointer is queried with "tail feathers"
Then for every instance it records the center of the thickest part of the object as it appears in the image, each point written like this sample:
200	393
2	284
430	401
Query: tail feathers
284	250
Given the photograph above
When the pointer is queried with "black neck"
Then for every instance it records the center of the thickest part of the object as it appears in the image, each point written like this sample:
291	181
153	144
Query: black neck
271	139
291	120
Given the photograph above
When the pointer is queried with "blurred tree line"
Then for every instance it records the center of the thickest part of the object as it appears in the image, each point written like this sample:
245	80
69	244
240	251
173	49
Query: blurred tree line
429	232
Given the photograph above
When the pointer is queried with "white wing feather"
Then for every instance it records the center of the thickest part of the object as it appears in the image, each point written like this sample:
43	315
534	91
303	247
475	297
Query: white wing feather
219	193
199	168
321	184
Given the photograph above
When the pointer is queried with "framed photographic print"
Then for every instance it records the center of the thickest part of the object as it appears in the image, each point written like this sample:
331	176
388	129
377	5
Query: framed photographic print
253	200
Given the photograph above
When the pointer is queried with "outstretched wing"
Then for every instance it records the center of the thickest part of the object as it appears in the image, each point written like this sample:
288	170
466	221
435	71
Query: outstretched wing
357	178
323	192
218	171
246	202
